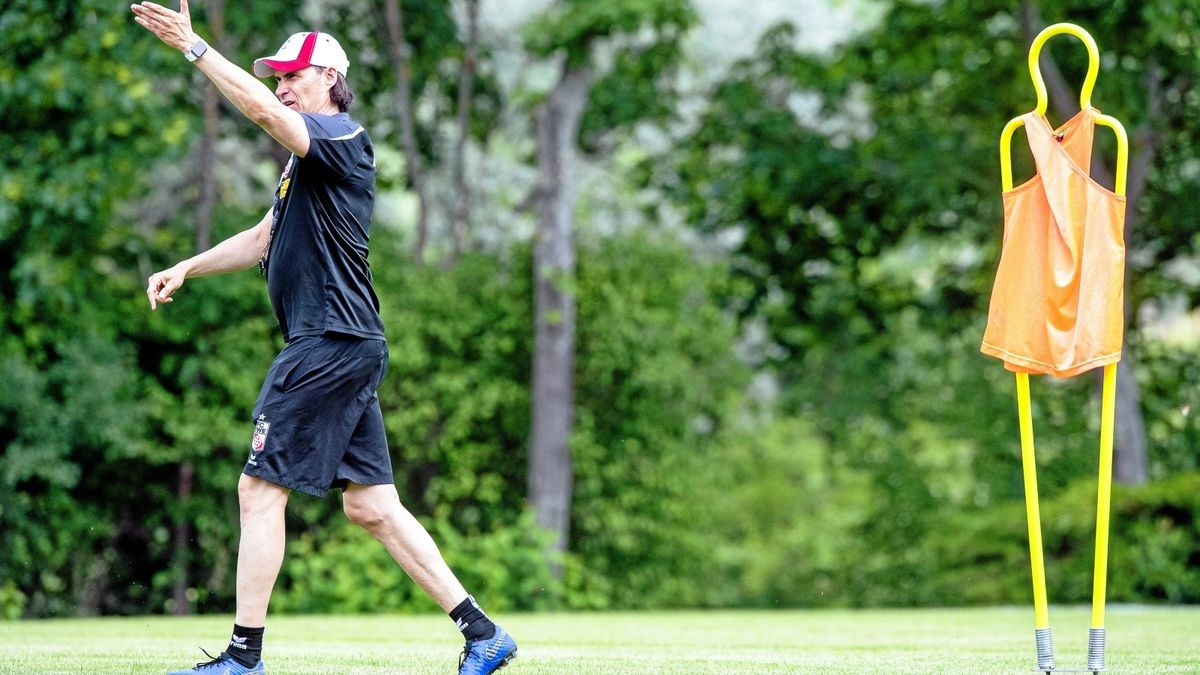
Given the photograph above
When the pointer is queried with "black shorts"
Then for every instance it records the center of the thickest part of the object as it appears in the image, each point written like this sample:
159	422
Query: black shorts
317	422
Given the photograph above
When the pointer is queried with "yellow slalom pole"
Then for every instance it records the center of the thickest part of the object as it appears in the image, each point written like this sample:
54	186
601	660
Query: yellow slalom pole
1033	516
1096	633
1103	502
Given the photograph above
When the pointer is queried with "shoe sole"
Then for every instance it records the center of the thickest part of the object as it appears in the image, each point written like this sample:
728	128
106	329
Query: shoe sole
506	660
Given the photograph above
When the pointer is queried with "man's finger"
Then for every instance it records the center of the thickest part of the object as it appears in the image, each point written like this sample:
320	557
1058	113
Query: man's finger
152	290
142	16
183	8
168	289
157	11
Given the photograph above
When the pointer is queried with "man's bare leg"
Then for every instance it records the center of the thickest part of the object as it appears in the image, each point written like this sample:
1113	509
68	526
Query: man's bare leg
377	509
260	551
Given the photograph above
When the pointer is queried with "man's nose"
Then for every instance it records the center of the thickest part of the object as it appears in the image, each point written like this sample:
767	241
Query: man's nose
279	89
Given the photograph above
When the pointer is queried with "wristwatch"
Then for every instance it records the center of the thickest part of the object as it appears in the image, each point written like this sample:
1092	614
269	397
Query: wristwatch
197	50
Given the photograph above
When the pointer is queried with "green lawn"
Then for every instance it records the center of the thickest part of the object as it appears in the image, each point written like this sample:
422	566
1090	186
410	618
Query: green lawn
996	640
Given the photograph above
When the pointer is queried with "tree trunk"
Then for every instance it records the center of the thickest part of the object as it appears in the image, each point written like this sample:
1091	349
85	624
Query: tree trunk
182	554
205	205
460	225
1131	463
550	474
1130	460
207	198
401	65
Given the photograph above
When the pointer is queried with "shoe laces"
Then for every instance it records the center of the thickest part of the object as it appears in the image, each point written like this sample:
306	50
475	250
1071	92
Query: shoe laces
462	658
215	659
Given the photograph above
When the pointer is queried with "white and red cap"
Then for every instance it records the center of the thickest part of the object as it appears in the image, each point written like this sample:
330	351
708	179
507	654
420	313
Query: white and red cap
302	50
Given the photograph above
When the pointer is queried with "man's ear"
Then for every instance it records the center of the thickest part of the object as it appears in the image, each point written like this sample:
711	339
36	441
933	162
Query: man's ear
330	76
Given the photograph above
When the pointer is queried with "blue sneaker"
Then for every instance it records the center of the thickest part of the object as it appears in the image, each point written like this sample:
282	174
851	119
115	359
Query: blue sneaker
221	665
487	656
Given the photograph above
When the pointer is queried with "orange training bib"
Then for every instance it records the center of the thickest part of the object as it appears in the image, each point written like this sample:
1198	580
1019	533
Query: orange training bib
1056	306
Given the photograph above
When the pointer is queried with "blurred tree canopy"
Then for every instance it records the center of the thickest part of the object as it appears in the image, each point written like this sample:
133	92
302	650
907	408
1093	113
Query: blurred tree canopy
782	280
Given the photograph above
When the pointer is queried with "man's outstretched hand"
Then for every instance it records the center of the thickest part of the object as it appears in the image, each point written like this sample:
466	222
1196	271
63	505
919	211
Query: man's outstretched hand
173	28
162	285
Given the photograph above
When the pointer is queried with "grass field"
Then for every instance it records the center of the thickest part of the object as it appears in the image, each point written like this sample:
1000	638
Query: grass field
995	640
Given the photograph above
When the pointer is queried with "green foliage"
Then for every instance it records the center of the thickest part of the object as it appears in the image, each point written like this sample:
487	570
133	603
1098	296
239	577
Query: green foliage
655	386
1168	374
12	601
75	132
436	53
575	26
636	46
788	512
455	400
983	557
342	569
637	89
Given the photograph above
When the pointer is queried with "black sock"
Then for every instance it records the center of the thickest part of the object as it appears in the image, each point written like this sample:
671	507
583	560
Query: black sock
245	646
474	624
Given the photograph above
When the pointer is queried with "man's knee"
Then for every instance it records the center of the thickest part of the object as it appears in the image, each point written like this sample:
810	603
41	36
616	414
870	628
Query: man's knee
363	515
368	508
256	496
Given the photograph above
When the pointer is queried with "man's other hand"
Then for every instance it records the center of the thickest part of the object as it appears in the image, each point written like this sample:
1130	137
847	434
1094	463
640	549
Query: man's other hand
162	285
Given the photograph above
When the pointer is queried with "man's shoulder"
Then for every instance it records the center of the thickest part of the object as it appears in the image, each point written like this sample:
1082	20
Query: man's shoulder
335	127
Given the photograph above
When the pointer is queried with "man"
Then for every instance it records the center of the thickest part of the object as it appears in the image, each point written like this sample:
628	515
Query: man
317	422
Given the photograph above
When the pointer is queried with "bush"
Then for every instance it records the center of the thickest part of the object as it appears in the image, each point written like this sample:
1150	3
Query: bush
787	512
657	382
1154	550
343	569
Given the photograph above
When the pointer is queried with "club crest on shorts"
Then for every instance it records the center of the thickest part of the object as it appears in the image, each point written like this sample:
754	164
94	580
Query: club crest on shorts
259	440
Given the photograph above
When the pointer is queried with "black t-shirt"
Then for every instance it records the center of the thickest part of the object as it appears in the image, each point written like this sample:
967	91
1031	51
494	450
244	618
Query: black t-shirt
316	266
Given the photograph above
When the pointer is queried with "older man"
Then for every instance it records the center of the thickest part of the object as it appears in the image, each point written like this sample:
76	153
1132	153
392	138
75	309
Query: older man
317	422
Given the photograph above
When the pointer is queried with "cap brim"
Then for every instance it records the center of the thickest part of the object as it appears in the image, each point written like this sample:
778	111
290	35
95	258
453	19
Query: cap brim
268	67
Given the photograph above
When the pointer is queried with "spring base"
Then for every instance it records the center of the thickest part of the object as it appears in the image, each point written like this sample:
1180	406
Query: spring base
1045	649
1095	649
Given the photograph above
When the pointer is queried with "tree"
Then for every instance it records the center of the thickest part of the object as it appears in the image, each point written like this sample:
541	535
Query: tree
74	139
400	53
573	30
1130	463
411	81
461	219
550	475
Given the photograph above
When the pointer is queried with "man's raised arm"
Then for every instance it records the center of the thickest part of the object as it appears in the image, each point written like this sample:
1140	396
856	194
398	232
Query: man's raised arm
250	95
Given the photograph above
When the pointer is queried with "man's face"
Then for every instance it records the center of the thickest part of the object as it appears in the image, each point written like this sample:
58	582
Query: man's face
304	90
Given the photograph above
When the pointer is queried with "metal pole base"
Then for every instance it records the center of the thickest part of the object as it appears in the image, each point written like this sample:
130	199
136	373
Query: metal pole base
1095	649
1045	648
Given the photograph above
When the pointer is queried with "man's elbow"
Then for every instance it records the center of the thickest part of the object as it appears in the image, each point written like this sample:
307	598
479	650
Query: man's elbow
262	234
262	238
